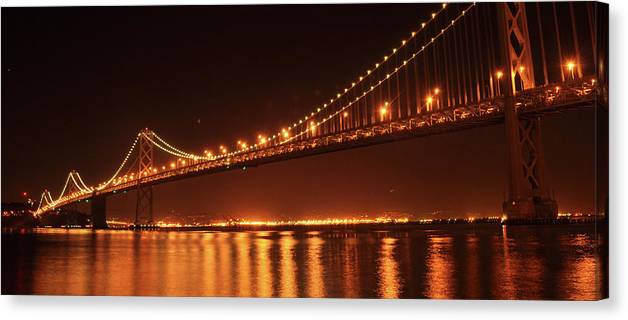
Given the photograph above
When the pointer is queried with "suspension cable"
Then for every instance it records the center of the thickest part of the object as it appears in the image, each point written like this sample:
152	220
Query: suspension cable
170	149
82	182
387	76
362	79
67	180
81	189
126	158
189	155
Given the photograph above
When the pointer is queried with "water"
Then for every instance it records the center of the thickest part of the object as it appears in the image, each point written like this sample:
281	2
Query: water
470	262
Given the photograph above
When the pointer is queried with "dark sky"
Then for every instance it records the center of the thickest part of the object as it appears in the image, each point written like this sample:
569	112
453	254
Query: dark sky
78	84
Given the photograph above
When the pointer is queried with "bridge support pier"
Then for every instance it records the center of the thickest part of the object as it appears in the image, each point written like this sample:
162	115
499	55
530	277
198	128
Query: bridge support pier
528	196
144	204
99	212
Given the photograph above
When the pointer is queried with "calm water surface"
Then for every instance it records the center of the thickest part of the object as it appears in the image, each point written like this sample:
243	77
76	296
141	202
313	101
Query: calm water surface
471	262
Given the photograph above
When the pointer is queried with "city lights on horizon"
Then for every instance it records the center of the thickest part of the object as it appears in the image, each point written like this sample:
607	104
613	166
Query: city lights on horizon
336	221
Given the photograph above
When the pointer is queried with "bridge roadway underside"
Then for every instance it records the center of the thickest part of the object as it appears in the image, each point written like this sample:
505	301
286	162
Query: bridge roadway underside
341	142
383	133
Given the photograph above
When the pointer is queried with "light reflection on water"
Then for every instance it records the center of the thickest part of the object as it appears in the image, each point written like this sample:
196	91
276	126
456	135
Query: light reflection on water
440	268
473	262
389	282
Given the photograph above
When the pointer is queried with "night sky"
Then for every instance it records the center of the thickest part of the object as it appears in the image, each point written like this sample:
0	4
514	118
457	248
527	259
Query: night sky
79	83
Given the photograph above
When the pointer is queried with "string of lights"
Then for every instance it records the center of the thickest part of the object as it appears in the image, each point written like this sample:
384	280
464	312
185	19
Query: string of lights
171	150
65	186
187	155
81	189
41	200
362	78
284	132
78	176
126	158
49	198
45	196
387	76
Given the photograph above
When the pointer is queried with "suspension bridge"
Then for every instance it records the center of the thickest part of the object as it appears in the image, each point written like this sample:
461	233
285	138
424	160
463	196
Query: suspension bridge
466	65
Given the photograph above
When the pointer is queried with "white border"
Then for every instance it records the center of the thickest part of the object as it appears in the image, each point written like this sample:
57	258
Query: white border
41	307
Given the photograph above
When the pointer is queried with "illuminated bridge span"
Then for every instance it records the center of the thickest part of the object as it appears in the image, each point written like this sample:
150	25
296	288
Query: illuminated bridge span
467	65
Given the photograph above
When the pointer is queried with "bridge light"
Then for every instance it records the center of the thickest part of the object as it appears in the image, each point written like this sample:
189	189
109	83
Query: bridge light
383	111
433	15
570	67
345	114
444	5
499	74
423	25
429	100
521	68
436	91
163	167
183	162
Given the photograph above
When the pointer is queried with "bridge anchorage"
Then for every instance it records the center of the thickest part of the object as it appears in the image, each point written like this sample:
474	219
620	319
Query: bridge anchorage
454	72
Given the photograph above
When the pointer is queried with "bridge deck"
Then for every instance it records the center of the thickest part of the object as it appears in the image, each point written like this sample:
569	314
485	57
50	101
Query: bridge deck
531	102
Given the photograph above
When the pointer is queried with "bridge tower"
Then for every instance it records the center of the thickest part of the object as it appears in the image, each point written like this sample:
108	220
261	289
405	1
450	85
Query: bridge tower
144	204
528	196
72	188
